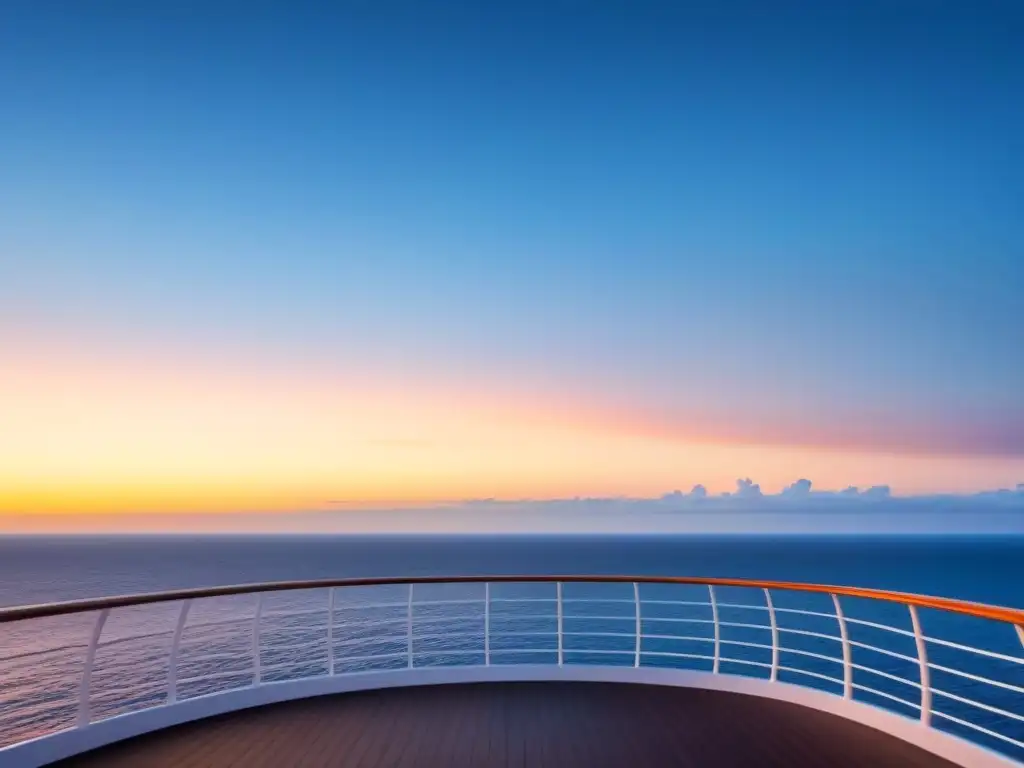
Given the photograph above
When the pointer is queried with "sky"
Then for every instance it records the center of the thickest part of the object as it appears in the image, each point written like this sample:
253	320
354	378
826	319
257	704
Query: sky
265	257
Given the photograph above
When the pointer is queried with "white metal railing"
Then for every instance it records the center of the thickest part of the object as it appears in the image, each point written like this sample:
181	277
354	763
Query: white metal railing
338	628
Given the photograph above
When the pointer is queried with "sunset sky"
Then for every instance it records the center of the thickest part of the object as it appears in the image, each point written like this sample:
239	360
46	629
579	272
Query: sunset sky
403	252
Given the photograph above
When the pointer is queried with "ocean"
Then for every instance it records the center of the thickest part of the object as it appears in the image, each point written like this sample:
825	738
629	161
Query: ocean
40	662
43	569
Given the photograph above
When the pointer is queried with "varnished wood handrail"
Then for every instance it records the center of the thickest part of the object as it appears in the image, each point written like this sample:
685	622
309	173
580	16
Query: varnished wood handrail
1013	616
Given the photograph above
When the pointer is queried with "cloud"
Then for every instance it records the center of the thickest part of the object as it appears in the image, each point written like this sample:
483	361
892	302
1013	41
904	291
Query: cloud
801	489
798	508
749	493
799	497
698	492
877	492
747	489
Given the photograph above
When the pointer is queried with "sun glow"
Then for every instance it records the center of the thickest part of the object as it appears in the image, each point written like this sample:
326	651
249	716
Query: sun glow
100	436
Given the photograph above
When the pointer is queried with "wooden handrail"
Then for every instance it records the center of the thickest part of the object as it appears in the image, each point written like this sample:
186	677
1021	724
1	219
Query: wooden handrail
1013	616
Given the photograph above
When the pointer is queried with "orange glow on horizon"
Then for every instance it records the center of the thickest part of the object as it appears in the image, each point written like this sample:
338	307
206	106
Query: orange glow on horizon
113	436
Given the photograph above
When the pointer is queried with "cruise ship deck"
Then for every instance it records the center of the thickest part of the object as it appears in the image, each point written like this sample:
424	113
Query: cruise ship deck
556	725
525	670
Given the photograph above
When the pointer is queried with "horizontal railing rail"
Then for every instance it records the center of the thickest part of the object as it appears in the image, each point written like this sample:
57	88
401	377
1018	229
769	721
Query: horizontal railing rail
1013	616
945	678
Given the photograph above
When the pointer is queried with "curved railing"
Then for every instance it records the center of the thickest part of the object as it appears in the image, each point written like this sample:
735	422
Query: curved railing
945	674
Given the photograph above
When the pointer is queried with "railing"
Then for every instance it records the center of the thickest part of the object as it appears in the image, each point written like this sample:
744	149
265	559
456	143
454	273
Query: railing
955	667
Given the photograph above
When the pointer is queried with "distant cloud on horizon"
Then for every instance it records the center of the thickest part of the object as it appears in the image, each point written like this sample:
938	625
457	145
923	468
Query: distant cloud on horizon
799	494
797	508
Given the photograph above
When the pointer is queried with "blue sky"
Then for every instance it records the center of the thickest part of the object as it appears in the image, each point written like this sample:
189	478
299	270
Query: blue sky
802	217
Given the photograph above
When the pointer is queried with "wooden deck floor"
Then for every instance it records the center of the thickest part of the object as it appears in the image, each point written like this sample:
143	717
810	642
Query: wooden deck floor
557	725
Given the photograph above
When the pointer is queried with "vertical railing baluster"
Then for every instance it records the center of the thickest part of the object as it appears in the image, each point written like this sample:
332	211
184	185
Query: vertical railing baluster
172	661
775	635
1020	633
639	633
330	630
561	651
84	709
844	635
257	662
922	658
718	629
408	630
487	624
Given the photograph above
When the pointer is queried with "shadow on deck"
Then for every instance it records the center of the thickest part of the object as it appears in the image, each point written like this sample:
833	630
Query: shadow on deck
557	725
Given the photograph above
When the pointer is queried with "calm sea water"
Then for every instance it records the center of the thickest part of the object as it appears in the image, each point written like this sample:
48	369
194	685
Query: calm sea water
43	569
40	663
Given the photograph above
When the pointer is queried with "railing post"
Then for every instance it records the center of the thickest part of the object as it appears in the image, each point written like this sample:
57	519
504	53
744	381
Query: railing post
330	631
922	657
1020	633
844	635
487	624
775	635
718	629
561	651
172	661
257	663
639	633
408	630
84	713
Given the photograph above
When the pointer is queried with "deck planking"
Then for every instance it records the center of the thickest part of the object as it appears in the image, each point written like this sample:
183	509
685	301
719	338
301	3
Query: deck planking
518	725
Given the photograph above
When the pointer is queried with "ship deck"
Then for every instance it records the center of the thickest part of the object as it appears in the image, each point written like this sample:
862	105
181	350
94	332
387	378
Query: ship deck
557	725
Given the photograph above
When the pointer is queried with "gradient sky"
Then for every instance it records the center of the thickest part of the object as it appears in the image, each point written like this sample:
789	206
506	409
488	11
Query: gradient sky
271	256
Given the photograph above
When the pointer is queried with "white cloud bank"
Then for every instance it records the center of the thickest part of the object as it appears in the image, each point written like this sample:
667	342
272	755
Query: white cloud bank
798	507
801	494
